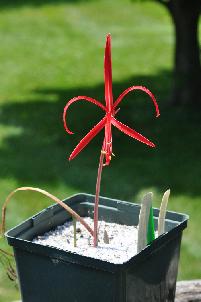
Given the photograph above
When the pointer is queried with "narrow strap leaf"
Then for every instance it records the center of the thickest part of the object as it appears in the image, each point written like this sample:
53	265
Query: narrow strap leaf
150	229
54	198
131	132
143	221
162	213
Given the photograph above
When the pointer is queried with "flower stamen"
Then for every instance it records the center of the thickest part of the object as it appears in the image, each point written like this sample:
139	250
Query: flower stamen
103	152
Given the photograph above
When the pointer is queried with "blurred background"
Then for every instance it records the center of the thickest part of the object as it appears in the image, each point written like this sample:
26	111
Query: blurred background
51	51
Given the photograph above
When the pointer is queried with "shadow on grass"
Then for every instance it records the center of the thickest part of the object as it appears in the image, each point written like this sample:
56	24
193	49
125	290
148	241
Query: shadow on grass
37	154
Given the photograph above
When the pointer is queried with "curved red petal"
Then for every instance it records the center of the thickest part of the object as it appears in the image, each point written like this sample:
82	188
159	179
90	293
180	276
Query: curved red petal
87	138
79	98
108	140
119	99
108	73
131	132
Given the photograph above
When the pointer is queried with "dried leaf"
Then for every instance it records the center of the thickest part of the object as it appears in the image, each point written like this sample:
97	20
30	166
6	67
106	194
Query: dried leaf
143	221
54	198
162	213
5	261
106	237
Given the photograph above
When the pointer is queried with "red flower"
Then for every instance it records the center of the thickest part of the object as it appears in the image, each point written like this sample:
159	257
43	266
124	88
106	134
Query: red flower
110	110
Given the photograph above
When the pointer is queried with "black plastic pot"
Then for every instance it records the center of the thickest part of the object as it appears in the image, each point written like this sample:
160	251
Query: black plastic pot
48	274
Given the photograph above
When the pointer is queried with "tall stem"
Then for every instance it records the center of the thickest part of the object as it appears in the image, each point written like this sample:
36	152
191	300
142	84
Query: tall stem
98	182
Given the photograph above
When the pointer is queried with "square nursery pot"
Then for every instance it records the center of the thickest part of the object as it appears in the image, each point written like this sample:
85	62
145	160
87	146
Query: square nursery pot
48	274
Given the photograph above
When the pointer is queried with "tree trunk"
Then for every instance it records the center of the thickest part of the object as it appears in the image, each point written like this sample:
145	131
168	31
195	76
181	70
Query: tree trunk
187	69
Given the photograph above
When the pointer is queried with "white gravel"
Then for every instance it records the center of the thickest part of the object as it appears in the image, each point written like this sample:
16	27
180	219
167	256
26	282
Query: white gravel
121	247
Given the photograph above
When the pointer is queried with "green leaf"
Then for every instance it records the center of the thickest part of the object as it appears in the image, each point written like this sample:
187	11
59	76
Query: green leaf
150	229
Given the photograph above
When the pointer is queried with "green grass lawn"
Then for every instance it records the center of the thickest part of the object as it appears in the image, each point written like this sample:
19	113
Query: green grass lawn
51	52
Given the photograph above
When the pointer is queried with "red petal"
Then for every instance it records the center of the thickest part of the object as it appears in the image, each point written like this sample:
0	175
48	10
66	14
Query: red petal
108	73
93	132
78	98
108	140
116	103
134	134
